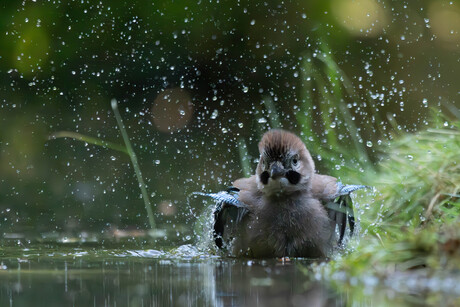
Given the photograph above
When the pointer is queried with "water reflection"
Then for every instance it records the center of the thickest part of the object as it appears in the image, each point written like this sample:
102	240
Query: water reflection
160	282
269	284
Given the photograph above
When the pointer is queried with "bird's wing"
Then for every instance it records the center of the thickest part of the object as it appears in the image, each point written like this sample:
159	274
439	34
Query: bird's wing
343	207
346	189
336	197
340	210
228	213
324	187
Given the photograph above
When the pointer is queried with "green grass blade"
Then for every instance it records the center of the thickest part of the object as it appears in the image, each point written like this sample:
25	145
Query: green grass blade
88	139
337	81
244	157
272	113
305	114
132	155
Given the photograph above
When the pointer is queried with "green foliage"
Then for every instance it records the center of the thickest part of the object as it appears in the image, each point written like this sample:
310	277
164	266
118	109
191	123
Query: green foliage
419	183
413	222
324	116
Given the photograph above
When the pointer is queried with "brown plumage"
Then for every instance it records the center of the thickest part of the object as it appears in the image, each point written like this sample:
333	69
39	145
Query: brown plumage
284	209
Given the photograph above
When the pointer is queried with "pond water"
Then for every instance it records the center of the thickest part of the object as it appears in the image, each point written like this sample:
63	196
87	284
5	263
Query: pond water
89	275
116	277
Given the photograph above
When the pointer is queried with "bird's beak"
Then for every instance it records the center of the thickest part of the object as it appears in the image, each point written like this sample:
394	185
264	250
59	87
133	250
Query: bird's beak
277	170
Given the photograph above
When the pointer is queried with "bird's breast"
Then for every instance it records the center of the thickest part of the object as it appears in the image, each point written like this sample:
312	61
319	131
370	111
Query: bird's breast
289	227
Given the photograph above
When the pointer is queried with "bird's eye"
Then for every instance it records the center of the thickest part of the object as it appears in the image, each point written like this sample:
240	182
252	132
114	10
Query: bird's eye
295	160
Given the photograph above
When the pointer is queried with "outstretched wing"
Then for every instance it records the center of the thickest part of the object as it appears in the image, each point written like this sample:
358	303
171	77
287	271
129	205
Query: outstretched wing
228	214
341	209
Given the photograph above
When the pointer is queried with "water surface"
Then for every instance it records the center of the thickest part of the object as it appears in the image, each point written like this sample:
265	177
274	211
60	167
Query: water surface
46	276
116	274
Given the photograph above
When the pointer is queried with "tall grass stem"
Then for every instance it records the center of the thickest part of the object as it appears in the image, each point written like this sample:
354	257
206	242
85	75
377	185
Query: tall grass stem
132	155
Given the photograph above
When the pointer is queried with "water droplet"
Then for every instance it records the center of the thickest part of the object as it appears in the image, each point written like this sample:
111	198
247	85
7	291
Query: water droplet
369	144
427	22
214	114
112	158
240	125
245	89
157	162
262	120
410	157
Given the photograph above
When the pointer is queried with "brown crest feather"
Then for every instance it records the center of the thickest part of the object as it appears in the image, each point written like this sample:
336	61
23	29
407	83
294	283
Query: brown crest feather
277	143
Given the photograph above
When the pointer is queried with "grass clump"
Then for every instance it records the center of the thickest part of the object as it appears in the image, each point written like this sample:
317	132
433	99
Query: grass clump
413	222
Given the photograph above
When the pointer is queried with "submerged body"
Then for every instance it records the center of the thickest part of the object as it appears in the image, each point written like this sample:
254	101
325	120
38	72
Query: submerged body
285	209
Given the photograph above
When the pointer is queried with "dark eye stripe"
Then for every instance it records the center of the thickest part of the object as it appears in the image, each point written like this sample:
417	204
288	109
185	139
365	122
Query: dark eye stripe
264	177
293	177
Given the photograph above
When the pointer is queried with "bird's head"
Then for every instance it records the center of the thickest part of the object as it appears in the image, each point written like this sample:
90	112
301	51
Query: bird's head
285	165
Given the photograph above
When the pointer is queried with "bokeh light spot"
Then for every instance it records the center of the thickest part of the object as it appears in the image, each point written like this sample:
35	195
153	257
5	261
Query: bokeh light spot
172	110
445	23
31	50
361	17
